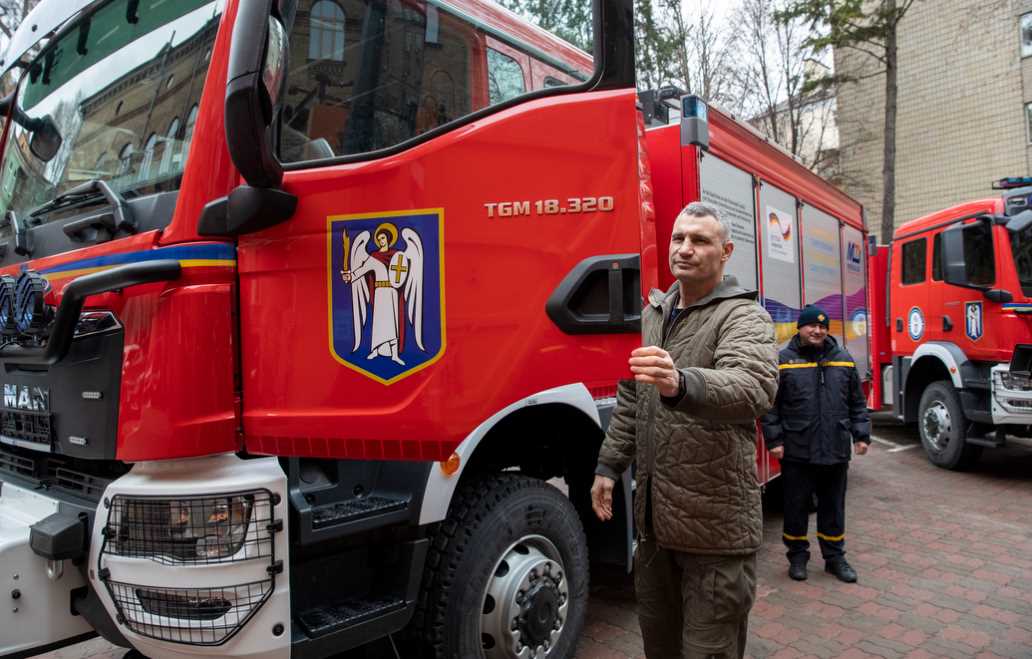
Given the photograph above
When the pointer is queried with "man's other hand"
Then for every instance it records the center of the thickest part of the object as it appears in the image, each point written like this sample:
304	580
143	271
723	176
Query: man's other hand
602	497
860	447
778	452
653	365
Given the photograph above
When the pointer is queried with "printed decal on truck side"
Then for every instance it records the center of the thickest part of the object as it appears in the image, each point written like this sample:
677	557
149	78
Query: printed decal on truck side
915	324
973	320
386	291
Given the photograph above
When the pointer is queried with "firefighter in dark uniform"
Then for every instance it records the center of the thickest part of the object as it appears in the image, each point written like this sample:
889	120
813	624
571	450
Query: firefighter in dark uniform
818	419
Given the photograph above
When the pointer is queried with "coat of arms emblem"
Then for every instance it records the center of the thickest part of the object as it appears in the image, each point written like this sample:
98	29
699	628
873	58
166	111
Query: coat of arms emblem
386	297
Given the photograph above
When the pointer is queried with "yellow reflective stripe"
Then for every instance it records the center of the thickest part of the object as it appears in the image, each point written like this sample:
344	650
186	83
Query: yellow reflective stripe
793	537
831	538
806	365
838	363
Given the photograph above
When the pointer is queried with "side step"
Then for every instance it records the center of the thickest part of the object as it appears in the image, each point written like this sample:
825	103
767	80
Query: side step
993	439
337	498
325	619
334	627
353	510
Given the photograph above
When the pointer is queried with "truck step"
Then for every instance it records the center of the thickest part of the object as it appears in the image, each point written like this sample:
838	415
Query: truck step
324	620
352	510
990	440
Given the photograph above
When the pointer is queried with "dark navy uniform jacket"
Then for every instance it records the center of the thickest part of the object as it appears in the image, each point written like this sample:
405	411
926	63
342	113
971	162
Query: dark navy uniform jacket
820	408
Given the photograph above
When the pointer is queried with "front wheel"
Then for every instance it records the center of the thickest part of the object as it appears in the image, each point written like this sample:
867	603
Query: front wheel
943	428
507	574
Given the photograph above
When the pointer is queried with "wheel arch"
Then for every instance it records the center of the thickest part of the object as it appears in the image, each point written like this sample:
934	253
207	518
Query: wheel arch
554	433
931	362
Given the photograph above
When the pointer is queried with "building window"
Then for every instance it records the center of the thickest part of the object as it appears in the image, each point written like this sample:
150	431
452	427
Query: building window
326	31
914	255
1026	35
1028	122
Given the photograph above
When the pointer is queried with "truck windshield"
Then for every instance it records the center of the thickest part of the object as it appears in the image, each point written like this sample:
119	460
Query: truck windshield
121	88
1021	248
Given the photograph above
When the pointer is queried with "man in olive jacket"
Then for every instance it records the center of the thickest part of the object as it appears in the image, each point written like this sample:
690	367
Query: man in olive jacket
820	413
707	370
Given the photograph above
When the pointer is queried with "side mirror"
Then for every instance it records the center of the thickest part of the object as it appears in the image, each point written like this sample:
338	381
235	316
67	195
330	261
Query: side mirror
954	267
46	140
1020	222
257	67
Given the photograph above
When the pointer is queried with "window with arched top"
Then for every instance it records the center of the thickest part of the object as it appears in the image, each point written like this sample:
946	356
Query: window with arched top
148	156
326	31
125	156
169	152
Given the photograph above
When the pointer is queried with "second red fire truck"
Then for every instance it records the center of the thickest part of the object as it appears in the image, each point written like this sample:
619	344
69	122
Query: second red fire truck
953	348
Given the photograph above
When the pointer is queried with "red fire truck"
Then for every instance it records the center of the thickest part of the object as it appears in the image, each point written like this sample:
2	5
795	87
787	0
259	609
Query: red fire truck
304	303
954	349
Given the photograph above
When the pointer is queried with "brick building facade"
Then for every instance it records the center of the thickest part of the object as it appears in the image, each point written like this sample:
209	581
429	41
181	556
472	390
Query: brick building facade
964	110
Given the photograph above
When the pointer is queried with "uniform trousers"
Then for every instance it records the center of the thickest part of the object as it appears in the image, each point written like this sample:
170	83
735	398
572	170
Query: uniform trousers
801	481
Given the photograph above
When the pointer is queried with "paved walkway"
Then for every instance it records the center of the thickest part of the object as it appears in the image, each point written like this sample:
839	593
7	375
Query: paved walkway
945	564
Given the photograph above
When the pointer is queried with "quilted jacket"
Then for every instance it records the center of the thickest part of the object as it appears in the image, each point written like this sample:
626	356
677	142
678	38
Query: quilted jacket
695	457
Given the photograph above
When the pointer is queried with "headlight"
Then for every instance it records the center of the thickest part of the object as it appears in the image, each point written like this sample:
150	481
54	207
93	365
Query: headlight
191	529
1015	380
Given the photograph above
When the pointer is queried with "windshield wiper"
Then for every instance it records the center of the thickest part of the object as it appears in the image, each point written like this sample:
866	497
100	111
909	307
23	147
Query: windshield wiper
95	228
20	235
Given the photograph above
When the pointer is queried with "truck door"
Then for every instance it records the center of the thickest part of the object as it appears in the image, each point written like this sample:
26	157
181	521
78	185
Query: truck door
404	301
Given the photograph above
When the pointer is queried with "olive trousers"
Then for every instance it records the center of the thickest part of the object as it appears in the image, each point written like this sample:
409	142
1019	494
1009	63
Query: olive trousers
693	606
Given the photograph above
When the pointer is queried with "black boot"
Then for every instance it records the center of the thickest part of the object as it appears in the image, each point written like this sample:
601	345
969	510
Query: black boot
841	569
797	570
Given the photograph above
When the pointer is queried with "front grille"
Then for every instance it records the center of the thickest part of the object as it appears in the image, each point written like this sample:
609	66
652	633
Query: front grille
194	616
17	464
60	473
27	426
196	530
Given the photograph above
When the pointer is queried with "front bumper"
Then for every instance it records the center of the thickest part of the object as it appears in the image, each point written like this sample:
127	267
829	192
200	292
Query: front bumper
35	604
1008	406
168	606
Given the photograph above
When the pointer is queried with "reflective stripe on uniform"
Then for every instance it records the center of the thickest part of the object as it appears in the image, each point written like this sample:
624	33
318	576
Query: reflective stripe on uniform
794	537
806	365
831	538
851	364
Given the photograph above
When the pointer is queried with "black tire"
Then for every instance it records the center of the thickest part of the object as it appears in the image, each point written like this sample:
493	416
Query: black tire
494	522
943	428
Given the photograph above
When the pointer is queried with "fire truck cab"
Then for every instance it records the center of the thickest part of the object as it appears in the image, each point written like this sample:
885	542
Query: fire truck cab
954	346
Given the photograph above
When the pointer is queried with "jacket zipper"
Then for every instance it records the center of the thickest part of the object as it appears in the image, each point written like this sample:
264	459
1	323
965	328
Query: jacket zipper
649	503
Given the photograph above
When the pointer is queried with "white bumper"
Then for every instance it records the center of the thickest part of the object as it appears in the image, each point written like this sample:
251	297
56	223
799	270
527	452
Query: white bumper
35	610
261	632
1009	406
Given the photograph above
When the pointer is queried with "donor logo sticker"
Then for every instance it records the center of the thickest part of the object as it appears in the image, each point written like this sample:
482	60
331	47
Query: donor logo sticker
915	324
973	320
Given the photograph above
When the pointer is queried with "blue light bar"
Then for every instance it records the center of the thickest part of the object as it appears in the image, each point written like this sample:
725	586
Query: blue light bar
1012	182
695	107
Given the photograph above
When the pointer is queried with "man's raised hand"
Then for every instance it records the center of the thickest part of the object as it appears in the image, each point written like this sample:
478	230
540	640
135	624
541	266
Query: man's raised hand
653	365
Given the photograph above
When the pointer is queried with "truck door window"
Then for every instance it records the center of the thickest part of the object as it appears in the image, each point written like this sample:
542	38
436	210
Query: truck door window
914	255
978	254
1021	248
937	257
368	75
504	77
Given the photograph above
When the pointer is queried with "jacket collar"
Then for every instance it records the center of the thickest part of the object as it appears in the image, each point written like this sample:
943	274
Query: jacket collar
727	289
